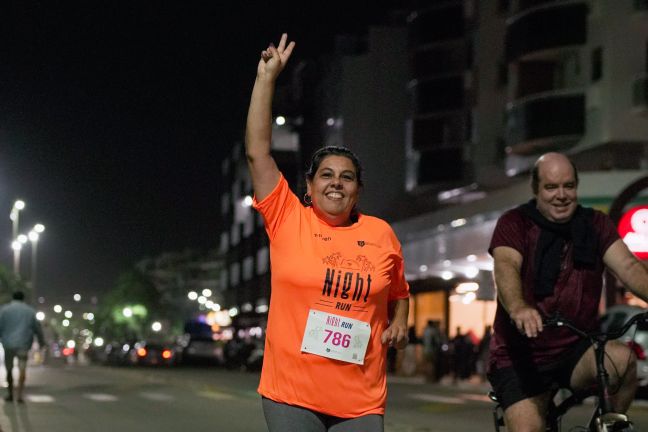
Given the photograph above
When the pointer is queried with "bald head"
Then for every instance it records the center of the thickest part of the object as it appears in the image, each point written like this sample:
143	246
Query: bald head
551	162
554	182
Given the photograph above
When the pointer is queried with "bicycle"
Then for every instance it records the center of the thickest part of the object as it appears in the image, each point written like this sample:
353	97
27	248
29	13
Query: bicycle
603	418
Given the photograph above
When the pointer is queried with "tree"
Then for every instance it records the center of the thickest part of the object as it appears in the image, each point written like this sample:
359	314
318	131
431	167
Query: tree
9	283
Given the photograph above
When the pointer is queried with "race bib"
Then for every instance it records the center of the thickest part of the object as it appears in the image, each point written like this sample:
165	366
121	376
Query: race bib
336	337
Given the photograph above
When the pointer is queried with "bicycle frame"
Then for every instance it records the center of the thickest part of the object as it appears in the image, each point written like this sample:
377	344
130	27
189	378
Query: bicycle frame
603	419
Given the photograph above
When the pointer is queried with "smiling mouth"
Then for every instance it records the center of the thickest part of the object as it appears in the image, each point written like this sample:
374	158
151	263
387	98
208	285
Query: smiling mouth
334	195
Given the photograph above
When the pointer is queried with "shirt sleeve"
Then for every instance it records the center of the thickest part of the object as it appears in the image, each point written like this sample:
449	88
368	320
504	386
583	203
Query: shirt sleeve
509	231
276	207
608	233
399	288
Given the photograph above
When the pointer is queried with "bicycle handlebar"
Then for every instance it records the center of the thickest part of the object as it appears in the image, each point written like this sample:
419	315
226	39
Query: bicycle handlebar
558	321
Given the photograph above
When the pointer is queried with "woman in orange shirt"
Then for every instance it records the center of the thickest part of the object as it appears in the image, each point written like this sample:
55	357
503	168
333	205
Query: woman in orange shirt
339	297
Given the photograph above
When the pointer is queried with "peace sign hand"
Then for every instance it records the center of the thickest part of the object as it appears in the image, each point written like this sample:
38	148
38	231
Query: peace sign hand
274	59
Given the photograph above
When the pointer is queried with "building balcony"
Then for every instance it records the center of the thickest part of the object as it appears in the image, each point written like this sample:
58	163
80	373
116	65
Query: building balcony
550	27
548	121
442	130
431	61
439	94
436	25
640	93
440	166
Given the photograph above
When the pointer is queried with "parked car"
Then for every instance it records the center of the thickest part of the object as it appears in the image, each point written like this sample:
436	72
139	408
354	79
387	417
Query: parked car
200	350
117	353
636	337
147	353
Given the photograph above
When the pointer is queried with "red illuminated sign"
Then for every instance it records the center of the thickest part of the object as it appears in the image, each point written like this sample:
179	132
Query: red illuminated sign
633	229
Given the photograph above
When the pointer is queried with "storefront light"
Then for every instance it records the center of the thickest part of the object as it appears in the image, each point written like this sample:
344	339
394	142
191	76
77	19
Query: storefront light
447	275
467	287
471	258
468	298
423	268
458	222
471	272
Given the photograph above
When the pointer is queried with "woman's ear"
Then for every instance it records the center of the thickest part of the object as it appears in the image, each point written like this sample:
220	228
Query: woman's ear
308	187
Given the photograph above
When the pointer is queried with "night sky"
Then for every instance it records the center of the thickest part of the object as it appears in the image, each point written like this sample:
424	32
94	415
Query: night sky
114	117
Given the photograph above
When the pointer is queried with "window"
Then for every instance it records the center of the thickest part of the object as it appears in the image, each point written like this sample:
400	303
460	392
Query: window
262	260
248	268
597	64
502	74
235	274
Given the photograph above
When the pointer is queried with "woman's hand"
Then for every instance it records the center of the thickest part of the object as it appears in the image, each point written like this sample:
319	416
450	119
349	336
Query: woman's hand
395	335
274	59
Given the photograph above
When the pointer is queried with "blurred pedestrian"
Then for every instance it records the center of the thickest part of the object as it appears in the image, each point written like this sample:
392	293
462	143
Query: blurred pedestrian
431	350
18	326
482	353
463	355
409	362
339	295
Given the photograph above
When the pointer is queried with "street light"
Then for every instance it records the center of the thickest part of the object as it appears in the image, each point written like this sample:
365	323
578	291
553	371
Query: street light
16	246
33	236
14	216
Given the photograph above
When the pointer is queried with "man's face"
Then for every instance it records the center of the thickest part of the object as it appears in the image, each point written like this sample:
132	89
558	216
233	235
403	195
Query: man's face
557	190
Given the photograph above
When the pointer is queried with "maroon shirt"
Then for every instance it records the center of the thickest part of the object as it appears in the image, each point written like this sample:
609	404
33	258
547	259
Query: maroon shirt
576	296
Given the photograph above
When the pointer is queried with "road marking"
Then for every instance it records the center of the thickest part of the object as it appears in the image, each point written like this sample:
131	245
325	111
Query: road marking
100	397
476	397
216	395
39	398
434	398
162	397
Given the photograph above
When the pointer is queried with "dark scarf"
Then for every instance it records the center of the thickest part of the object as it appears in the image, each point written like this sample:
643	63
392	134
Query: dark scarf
579	229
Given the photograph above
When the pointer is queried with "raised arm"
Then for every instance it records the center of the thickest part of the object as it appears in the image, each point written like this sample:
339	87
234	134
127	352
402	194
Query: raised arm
508	280
258	133
627	268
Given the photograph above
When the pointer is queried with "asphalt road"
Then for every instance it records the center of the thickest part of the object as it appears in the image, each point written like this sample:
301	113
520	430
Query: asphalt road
84	398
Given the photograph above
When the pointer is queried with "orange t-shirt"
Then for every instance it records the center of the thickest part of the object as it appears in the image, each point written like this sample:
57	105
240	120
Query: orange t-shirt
318	266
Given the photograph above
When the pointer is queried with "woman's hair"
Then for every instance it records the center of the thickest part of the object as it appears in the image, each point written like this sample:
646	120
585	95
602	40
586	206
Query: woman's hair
323	152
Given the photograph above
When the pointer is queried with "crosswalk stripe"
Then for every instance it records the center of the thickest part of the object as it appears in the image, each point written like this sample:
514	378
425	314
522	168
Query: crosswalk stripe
161	397
100	397
39	398
436	398
216	395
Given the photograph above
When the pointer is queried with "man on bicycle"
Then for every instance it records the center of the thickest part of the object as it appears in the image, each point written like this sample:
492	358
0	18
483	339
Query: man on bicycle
550	254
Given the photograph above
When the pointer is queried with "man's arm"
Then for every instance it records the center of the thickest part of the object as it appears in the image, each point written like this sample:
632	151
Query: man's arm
627	268
38	332
508	280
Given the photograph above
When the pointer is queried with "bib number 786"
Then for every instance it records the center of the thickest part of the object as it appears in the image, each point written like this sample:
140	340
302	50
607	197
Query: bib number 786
338	338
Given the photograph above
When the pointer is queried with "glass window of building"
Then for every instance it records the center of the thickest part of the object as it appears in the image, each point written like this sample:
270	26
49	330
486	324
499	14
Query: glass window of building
248	268
235	274
597	64
235	234
262	260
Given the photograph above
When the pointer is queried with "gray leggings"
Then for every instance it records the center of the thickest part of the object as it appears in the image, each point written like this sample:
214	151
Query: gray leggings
289	418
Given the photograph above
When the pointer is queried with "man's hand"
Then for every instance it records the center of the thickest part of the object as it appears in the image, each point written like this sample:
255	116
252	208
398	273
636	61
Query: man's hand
527	320
395	335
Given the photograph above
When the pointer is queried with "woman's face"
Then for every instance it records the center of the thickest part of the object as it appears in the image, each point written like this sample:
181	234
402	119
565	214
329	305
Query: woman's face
334	190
